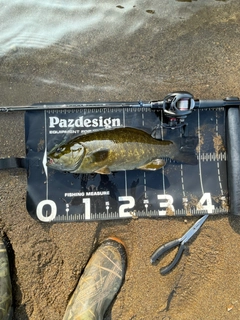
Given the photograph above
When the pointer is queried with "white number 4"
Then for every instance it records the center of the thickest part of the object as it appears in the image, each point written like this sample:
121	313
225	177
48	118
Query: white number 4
205	203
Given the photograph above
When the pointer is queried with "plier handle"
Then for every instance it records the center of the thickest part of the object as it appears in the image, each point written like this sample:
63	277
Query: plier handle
174	243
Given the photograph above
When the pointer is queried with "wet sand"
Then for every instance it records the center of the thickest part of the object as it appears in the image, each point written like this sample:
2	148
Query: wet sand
197	50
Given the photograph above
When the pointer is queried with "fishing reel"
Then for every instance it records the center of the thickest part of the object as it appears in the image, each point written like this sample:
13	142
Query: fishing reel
176	107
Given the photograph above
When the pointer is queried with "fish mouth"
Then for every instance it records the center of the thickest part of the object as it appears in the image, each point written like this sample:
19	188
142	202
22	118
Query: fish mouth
50	161
53	164
66	163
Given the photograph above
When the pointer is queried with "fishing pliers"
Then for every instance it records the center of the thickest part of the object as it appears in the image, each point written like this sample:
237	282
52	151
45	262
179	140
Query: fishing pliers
177	242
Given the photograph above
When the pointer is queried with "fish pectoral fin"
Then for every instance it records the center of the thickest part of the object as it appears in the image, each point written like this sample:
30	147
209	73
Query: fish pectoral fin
103	170
99	155
153	165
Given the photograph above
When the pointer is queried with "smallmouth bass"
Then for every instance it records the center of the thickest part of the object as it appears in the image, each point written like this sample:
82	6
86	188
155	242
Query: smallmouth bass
115	150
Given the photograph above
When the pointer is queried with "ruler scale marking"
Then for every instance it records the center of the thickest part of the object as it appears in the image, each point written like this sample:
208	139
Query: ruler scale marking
199	152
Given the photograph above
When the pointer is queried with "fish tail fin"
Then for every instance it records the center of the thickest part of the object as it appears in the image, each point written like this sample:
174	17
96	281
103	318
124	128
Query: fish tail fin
186	150
186	157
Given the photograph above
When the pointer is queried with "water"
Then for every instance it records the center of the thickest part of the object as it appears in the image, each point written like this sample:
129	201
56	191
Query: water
58	51
34	24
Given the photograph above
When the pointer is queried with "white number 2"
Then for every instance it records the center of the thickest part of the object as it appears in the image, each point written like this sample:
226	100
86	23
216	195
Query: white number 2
123	207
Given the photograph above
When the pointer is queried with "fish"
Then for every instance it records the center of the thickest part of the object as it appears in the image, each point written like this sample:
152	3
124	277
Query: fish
117	149
5	285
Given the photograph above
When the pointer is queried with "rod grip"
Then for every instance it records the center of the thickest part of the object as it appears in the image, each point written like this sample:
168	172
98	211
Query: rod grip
233	158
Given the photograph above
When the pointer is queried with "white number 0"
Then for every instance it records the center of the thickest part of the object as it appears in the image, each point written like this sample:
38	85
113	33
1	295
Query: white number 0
47	217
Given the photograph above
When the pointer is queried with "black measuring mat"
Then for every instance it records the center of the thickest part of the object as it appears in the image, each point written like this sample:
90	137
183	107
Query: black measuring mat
178	189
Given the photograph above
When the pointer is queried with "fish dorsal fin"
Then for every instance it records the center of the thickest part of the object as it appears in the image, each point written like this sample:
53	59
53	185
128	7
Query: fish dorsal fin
153	165
103	170
99	155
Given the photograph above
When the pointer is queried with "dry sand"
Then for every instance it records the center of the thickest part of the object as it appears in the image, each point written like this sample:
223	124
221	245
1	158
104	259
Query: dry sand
198	53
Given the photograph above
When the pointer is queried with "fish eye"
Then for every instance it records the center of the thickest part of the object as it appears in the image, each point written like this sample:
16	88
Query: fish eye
59	149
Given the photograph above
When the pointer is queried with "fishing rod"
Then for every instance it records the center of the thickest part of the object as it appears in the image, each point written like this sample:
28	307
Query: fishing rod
176	106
